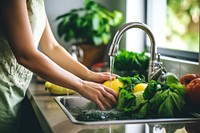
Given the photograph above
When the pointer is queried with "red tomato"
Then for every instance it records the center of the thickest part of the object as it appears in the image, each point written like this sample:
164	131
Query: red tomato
193	92
186	79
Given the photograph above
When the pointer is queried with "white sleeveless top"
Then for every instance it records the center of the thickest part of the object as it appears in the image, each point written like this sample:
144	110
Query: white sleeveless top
14	78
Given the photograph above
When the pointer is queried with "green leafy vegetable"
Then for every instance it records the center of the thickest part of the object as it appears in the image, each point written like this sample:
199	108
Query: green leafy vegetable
150	90
166	108
130	82
126	101
159	100
171	106
130	61
165	99
173	82
142	113
171	78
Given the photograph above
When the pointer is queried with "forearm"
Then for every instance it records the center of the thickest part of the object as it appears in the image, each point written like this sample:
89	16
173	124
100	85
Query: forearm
61	57
20	38
47	69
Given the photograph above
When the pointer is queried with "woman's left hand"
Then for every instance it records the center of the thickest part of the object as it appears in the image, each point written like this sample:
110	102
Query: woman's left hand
103	96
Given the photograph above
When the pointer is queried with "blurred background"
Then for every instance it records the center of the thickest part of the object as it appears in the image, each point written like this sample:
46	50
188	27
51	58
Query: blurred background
175	24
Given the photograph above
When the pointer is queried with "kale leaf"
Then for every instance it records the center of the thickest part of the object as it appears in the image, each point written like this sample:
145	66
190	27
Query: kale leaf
126	101
130	61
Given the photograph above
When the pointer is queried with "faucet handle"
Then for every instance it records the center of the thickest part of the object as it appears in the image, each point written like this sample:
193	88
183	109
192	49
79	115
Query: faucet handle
158	74
158	59
160	64
158	71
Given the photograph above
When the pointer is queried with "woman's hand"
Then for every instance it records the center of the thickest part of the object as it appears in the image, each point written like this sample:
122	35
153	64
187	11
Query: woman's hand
103	96
100	77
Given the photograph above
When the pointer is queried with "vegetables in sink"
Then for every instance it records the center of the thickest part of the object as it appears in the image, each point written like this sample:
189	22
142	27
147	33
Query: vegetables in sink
159	100
192	82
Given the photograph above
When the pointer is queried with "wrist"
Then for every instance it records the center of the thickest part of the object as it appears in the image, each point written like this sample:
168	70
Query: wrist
89	75
80	86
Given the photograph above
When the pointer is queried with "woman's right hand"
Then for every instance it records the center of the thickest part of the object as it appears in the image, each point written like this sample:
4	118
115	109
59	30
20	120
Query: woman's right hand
103	96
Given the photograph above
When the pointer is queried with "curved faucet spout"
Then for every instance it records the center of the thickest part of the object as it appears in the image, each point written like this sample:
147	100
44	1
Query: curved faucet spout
115	43
116	40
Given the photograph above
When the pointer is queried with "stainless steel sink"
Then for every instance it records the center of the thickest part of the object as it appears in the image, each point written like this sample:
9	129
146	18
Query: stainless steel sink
71	105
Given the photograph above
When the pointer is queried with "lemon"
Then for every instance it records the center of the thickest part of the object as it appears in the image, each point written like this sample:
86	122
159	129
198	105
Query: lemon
114	84
57	90
139	87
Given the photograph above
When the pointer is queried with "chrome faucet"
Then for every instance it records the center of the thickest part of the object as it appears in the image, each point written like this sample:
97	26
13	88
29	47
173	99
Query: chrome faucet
155	67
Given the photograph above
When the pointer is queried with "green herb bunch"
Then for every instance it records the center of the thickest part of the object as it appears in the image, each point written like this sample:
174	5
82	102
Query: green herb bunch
130	61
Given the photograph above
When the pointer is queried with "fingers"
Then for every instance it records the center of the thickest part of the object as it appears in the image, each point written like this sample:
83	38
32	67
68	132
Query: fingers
106	76
103	96
106	103
100	105
101	77
112	93
108	97
102	102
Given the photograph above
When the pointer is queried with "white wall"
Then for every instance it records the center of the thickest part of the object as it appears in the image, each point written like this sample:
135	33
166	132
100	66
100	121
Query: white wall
135	37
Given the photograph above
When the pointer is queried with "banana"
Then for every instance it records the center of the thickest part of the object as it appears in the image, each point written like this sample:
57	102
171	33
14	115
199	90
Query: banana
57	90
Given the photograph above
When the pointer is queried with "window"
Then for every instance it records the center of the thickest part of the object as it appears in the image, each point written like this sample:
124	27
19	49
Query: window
175	24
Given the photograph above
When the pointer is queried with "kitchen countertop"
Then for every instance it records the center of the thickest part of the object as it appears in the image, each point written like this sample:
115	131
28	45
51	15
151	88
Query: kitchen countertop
53	120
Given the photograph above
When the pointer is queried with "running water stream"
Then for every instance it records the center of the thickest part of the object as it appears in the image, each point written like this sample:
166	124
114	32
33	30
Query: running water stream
112	60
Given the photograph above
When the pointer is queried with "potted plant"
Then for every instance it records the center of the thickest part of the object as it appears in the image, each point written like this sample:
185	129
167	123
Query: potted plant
89	26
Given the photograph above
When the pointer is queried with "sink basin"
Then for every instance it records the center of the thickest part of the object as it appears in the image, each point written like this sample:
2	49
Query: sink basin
72	105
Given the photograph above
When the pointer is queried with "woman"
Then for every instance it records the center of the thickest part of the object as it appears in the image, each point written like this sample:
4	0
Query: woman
23	27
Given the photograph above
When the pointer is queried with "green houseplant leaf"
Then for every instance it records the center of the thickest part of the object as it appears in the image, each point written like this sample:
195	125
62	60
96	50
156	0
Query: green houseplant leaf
91	23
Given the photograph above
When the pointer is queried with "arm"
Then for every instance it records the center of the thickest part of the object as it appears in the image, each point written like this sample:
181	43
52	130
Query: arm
19	36
18	32
58	54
